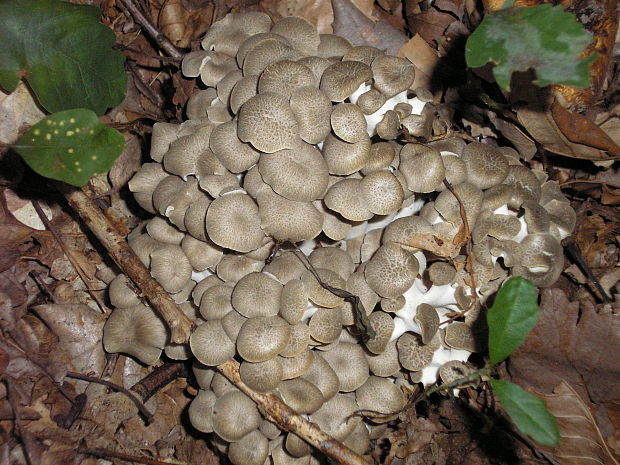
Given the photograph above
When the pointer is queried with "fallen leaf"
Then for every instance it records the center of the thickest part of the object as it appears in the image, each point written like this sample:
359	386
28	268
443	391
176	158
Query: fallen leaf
431	24
581	440
17	110
127	163
580	130
521	141
424	58
317	12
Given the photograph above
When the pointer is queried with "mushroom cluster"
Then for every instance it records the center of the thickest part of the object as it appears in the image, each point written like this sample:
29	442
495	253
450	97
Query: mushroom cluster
298	138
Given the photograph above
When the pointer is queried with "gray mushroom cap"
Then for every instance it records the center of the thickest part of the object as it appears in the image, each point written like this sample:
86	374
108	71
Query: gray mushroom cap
234	416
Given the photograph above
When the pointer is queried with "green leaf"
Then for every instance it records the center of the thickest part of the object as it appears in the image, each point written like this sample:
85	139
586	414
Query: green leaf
63	52
512	316
529	412
543	37
70	146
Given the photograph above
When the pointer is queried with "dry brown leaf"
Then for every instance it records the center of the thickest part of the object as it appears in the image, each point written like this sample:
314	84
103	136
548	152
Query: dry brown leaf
173	21
581	441
127	163
317	12
580	130
522	142
424	58
17	110
431	24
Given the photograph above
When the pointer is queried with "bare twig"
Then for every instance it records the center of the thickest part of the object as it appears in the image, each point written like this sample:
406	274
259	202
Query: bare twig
158	378
288	419
100	452
161	40
168	60
573	250
179	324
91	379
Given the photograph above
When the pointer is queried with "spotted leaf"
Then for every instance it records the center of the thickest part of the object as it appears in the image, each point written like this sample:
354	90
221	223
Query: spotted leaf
70	146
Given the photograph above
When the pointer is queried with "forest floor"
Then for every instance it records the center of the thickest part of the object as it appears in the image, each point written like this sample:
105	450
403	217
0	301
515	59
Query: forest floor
53	274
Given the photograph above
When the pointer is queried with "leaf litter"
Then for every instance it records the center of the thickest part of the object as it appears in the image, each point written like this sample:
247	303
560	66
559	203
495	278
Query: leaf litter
51	324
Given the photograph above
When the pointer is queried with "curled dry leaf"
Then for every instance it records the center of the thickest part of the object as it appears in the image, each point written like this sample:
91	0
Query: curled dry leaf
423	57
581	440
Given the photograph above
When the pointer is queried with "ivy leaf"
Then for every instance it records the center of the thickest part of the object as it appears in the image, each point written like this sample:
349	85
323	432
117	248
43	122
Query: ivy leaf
63	52
70	146
512	316
543	37
529	412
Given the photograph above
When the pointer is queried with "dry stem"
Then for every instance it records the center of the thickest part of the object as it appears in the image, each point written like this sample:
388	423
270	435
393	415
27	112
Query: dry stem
179	324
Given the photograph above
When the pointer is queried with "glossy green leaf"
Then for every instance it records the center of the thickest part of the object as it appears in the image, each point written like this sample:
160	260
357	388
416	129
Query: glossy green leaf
63	52
542	37
528	412
70	146
512	316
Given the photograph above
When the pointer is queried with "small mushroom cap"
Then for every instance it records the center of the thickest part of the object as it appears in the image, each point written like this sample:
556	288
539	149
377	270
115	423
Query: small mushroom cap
384	364
413	354
229	150
335	226
170	267
344	158
350	364
232	267
262	338
391	271
265	52
288	220
293	301
269	429
220	385
454	370
348	122
427	318
502	227
392	75
524	183
459	335
299	341
184	152
296	446
210	344
267	122
232	323
251	449
312	109
234	416
541	259
215	67
262	376
383	325
201	254
393	305
450	208
215	302
284	77
225	86
332	258
251	42
381	156
294	367
144	182
441	273
137	331
427	180
357	285
562	215
223	32
325	324
121	294
244	89
300	175
371	101
282	457
404	231
257	294
359	440
233	222
202	286
345	197
389	127
332	45
301	395
203	374
456	170
337	416
200	411
486	166
317	293
286	267
163	134
382	192
323	376
380	395
363	53
302	35
342	79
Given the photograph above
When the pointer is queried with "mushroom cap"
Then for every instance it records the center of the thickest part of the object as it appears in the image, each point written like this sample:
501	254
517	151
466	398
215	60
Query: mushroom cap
384	364
296	446
357	285
251	42
244	89
525	185
381	156
262	338
364	53
486	166
348	122
316	64
323	376
391	271
170	267
332	258
345	198
449	207
261	376
121	294
393	305
301	395
233	222
163	134
201	254
294	367
317	293
200	410
335	226
137	331
232	267
413	354
342	78
269	429
223	32
389	126
215	302
380	395
392	75
215	66
302	35
382	192
541	259
312	109
293	301
251	449
229	150
267	51
404	231
349	362
300	175
144	182
383	325
288	220
459	335
142	245
257	294
225	86
428	179
267	122
232	323
503	227
285	77
371	101
359	440
203	374
454	370
183	154
210	344
325	324
337	416
441	273
286	266
234	416
332	45
344	158
299	340
427	318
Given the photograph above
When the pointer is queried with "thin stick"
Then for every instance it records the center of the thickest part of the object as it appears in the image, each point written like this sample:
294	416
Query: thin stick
111	454
179	324
91	379
161	40
158	378
167	60
573	249
288	419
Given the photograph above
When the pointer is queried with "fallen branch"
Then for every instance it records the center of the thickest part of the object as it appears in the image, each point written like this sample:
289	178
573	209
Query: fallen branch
179	324
288	419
